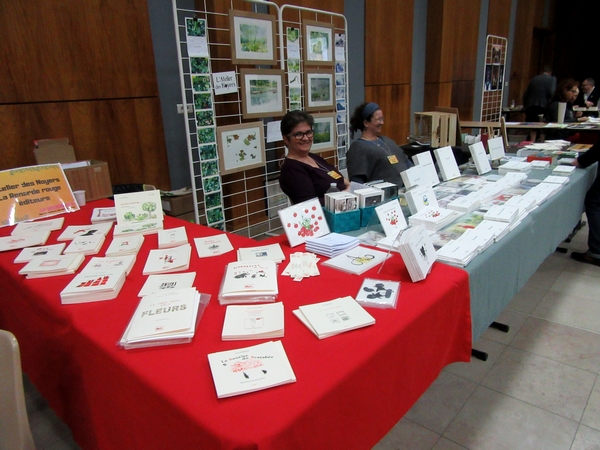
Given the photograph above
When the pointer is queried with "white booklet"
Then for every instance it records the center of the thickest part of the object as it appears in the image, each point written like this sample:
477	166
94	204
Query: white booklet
480	158
391	217
94	284
161	283
138	207
447	163
415	176
125	262
264	321
425	161
250	369
52	266
88	245
15	242
104	215
168	260
326	319
125	245
38	226
172	237
212	245
416	247
249	282
27	254
358	260
270	252
421	197
73	231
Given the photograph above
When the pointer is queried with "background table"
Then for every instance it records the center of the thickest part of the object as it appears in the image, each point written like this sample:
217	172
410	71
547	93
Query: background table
350	391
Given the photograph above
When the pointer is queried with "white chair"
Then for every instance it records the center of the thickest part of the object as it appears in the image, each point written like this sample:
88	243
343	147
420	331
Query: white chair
15	433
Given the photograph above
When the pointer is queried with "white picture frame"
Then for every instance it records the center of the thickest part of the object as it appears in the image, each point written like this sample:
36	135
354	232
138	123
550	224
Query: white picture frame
324	128
319	85
261	29
241	147
263	93
318	43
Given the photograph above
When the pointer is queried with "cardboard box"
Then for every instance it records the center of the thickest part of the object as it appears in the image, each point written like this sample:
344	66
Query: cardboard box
94	178
177	205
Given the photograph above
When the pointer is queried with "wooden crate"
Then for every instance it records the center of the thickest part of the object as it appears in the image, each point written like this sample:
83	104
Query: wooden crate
439	128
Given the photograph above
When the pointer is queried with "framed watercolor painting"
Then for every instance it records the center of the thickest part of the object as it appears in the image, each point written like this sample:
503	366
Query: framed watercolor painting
241	147
262	93
324	128
319	90
303	220
252	38
318	43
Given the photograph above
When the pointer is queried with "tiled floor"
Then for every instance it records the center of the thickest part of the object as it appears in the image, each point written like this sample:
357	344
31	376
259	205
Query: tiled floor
539	389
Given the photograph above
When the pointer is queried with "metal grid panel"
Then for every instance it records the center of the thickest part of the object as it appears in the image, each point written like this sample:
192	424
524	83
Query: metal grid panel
493	83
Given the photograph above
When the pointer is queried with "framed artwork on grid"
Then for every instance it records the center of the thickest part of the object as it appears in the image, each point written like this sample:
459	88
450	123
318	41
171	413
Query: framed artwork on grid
324	129
241	147
319	85
252	38
263	93
318	43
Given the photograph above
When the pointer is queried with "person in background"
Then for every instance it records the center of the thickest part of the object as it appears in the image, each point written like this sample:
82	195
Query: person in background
538	94
373	156
588	95
592	209
566	92
305	175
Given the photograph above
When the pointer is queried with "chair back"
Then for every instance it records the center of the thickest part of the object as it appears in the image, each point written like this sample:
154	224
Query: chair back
15	433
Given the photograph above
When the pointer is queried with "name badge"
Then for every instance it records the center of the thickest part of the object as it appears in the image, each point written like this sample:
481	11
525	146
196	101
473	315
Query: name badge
333	174
392	159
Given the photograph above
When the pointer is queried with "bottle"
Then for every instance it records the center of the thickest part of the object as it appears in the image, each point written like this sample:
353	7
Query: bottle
512	104
333	188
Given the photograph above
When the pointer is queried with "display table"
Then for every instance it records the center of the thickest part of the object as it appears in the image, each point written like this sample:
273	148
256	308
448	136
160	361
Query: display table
350	391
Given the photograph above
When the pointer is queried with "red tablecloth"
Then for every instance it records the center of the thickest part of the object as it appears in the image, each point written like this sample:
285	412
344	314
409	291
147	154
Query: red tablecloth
350	390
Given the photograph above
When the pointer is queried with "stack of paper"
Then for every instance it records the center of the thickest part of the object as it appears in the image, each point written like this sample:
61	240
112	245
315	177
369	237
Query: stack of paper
357	261
138	213
433	219
556	179
253	322
168	260
38	226
88	245
27	254
94	283
502	213
160	283
421	197
480	158
302	265
73	231
482	238
212	245
52	266
333	317
249	282
465	204
250	369
539	164
164	318
271	252
447	163
498	229
129	245
332	244
458	252
417	252
543	191
18	241
173	237
514	166
524	203
563	170
104	215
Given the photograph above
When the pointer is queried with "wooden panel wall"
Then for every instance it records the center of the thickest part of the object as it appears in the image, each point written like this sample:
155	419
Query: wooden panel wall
82	69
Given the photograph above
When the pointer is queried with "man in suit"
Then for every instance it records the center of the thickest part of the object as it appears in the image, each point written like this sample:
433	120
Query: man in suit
538	93
588	95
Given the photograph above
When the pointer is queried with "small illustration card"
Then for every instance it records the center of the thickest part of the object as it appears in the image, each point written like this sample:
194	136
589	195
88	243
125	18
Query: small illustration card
391	218
378	293
212	245
358	260
73	231
303	220
160	283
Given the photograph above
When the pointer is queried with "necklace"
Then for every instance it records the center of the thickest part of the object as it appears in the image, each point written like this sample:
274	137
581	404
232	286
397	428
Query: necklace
376	142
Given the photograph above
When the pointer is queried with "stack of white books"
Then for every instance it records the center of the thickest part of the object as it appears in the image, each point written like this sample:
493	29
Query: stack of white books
168	260
425	161
249	282
480	158
52	266
415	176
250	369
416	247
465	204
458	252
524	203
168	317
513	178
243	322
543	191
447	163
173	237
27	254
18	241
88	245
326	319
514	166
339	202
94	283
159	283
369	196
433	219
556	179
490	191
420	197
212	245
73	231
138	213
104	215
129	245
562	170
502	213
540	164
271	252
481	237
123	262
38	226
498	229
332	244
357	261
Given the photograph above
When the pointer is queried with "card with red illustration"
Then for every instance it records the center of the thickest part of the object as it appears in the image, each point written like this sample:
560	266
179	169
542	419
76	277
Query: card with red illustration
302	221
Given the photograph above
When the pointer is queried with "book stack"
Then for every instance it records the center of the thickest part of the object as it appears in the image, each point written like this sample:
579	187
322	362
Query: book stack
125	245
107	262
27	254
270	252
138	213
168	260
563	170
543	191
447	163
250	369
104	215
339	202
458	252
249	282
556	179
498	229
173	237
253	322
212	245
331	245
481	237
74	231
88	245
52	266
514	166
326	319
94	283
357	261
417	251
165	318
502	213
465	204
420	197
160	283
18	241
38	226
433	219
539	164
480	158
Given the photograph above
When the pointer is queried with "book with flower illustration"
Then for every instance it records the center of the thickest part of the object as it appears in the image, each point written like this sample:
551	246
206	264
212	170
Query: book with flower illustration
303	220
391	218
138	212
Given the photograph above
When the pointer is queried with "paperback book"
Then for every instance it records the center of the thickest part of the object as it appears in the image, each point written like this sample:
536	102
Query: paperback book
249	282
104	215
358	260
129	245
18	241
73	231
212	245
168	260
302	221
52	266
331	245
378	293
418	253
94	284
27	254
264	321
271	252
88	245
38	226
172	237
161	283
391	217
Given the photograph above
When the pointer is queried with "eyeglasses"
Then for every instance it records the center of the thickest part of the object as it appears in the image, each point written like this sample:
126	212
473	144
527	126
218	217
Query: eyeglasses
380	120
300	135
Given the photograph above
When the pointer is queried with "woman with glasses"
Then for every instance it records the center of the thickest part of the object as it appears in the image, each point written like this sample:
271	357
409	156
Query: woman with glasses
305	175
373	156
566	92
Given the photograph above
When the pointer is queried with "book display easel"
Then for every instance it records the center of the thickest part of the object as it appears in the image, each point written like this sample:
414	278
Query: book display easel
240	72
493	82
